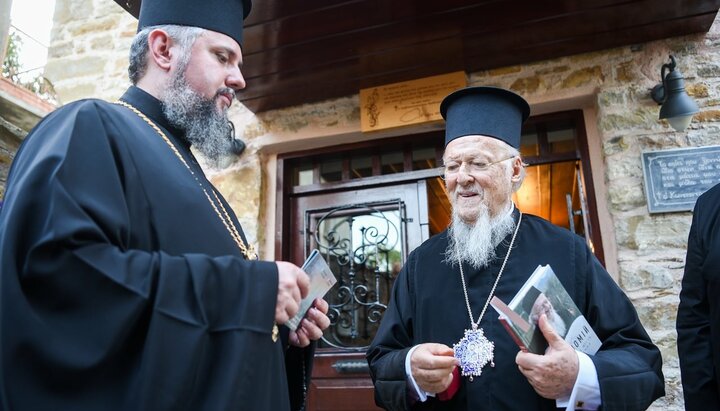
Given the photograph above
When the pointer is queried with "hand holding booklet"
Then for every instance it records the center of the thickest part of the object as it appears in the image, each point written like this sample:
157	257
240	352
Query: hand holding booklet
541	294
321	281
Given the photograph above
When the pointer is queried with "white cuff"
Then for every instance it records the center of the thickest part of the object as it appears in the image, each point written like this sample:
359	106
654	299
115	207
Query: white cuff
422	395
586	391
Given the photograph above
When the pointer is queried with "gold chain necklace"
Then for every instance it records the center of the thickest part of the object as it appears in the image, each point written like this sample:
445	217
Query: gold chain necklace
474	350
248	251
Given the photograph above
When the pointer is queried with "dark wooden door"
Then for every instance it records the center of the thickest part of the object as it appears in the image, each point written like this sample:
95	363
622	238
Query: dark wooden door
365	236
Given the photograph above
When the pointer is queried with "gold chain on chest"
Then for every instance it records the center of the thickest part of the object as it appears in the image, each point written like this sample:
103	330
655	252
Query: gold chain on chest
247	250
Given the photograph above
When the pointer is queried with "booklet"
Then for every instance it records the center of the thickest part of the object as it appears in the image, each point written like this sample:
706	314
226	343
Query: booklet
321	280
544	293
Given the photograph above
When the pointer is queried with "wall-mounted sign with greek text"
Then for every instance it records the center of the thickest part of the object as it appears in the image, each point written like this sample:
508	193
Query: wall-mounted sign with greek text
407	102
675	178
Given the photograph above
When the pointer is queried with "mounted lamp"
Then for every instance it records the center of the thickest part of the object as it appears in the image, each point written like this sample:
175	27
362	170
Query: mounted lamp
677	107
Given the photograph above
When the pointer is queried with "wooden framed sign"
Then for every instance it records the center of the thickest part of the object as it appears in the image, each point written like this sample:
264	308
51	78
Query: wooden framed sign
407	102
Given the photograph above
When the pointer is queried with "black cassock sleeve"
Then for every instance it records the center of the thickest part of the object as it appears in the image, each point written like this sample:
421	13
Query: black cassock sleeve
386	356
694	322
96	312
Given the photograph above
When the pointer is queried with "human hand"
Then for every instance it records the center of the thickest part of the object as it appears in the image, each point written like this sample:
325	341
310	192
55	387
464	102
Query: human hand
552	375
432	365
293	286
311	327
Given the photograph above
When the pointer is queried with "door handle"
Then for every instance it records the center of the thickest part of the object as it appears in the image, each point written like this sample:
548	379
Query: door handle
351	366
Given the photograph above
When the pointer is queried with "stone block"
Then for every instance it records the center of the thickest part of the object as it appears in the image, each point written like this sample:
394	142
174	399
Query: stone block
612	98
659	140
697	90
241	187
102	42
552	70
625	227
640	118
625	72
82	7
527	85
339	112
657	313
664	231
97	25
585	76
705	116
63	13
638	276
708	70
76	91
705	135
626	194
615	145
623	166
74	67
503	71
59	50
108	8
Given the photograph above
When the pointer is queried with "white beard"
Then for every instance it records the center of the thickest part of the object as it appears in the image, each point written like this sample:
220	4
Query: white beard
475	244
557	323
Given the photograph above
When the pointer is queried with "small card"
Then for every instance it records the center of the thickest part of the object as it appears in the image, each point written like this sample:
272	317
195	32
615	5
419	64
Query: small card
321	280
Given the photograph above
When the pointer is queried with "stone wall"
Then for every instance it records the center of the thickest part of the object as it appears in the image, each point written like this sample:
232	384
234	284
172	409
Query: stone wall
88	58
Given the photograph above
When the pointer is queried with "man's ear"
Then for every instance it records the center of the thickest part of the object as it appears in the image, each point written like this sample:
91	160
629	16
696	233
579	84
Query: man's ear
516	169
159	45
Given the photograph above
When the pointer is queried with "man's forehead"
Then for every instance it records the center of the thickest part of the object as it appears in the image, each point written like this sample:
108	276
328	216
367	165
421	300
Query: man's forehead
476	144
217	39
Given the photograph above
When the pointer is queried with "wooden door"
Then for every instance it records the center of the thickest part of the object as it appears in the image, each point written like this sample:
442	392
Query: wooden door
365	236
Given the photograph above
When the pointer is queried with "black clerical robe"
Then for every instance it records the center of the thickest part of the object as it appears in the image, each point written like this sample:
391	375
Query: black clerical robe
427	305
121	287
698	318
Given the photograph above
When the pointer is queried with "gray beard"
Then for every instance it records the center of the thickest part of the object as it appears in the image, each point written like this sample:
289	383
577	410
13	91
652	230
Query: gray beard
558	324
206	128
475	244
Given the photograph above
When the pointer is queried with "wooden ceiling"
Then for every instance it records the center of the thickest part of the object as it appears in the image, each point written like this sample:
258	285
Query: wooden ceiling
305	51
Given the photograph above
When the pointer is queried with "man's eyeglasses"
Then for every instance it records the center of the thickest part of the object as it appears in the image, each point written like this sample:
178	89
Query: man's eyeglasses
452	168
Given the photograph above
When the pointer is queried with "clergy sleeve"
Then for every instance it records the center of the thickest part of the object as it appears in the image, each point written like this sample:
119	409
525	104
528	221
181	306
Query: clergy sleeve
699	376
585	394
388	351
421	394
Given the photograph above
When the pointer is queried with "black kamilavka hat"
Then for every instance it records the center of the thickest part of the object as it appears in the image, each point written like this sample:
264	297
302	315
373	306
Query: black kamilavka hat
484	111
529	300
222	16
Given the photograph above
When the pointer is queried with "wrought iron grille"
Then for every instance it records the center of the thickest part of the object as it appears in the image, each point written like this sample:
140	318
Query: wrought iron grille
364	245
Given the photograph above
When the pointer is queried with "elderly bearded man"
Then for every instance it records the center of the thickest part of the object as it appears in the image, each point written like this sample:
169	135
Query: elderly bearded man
440	298
127	282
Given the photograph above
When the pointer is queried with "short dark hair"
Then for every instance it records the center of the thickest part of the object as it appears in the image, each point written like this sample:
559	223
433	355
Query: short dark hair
185	36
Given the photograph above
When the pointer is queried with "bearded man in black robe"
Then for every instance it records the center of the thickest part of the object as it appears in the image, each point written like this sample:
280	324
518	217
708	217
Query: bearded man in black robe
440	298
127	282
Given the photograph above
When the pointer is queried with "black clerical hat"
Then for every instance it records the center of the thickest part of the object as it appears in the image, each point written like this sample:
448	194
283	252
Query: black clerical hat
529	300
222	16
484	111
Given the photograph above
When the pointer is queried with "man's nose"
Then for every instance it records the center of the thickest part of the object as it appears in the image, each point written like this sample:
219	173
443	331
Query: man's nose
235	80
463	177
